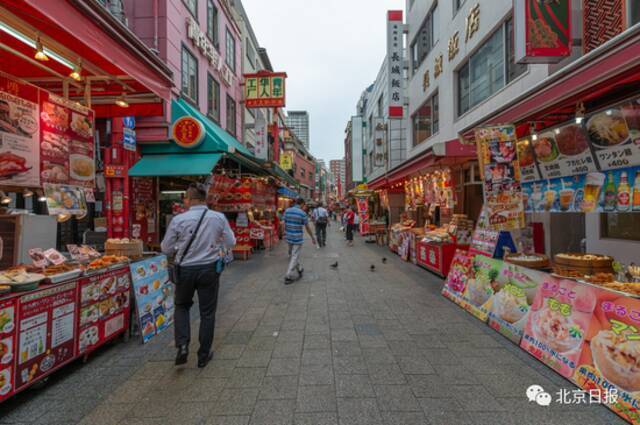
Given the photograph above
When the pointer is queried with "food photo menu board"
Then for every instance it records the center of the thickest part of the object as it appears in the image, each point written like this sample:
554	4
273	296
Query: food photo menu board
44	138
67	146
615	136
154	295
19	125
7	347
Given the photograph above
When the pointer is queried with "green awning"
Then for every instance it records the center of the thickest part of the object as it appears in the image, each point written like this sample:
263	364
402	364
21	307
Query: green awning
279	172
216	139
179	164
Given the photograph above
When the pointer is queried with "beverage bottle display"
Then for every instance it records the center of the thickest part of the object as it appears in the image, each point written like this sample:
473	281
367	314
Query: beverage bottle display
636	192
624	193
610	195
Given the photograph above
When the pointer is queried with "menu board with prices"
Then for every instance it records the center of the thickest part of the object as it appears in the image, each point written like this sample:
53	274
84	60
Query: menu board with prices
154	295
563	152
67	144
104	308
484	242
7	347
46	332
615	136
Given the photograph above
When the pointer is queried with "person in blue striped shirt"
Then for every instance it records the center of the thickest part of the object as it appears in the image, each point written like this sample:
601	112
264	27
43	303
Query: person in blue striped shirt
295	219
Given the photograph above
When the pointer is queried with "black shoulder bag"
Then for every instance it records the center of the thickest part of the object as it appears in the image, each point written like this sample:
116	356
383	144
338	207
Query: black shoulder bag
174	269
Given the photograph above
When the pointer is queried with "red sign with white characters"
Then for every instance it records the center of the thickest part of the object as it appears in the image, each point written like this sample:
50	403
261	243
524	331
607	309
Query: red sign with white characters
46	331
430	256
187	132
7	346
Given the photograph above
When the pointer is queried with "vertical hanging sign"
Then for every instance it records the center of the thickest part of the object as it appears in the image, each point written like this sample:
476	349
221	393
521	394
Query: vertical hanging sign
394	62
542	31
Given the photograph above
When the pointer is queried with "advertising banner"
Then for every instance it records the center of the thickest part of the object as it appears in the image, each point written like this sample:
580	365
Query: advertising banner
559	322
615	136
611	191
528	168
498	159
459	274
395	63
154	295
265	90
262	132
286	161
19	141
356	148
363	212
542	30
608	361
46	331
65	199
104	307
7	347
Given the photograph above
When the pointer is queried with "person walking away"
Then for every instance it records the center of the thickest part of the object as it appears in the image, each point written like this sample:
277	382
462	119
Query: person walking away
294	220
320	217
197	240
349	218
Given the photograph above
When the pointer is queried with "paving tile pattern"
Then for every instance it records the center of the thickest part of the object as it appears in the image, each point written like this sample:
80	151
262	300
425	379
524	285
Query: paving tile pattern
345	346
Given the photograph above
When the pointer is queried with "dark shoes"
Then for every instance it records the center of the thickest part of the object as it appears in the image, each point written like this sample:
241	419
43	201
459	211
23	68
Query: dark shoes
288	281
183	355
204	361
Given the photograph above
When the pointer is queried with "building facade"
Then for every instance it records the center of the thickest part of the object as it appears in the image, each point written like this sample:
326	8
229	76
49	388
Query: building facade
303	165
337	168
255	121
200	42
298	122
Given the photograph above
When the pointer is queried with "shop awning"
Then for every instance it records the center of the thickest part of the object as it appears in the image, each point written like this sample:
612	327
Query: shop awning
112	59
279	172
184	164
288	193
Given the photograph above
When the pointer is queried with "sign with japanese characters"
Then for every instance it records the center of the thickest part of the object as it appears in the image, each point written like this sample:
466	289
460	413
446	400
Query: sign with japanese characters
187	132
563	152
528	168
206	47
265	90
542	30
286	160
460	271
608	361
262	139
498	160
357	132
615	136
394	63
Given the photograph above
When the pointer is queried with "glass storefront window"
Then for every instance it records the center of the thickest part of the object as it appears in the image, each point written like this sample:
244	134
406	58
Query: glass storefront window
620	226
425	121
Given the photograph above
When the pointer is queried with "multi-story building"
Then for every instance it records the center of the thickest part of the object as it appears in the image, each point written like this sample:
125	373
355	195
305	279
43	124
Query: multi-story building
200	42
254	58
337	168
348	158
298	122
304	164
383	139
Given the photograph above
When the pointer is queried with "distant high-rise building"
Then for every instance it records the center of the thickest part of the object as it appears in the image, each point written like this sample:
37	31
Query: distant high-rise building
298	122
338	169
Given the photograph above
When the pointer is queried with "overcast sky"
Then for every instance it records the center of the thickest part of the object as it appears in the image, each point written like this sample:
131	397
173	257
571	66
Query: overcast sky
331	50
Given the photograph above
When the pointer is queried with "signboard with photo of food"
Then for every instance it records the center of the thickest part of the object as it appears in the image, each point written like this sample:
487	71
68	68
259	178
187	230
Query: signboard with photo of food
528	168
64	199
563	152
615	136
19	155
67	145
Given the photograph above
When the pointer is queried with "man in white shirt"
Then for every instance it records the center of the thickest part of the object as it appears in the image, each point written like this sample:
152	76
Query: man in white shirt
320	217
199	269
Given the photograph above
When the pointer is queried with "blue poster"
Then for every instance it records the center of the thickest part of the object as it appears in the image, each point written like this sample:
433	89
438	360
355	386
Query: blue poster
154	295
607	191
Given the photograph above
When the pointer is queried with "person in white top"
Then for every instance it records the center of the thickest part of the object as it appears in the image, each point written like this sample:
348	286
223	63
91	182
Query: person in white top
199	269
320	217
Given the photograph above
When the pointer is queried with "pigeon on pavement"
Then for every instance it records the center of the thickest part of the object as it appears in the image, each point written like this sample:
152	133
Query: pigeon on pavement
384	260
334	265
372	268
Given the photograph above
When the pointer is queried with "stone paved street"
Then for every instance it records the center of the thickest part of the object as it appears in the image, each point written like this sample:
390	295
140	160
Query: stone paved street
341	347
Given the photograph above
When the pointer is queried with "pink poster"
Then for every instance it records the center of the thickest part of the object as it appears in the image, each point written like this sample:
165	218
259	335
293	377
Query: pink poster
363	213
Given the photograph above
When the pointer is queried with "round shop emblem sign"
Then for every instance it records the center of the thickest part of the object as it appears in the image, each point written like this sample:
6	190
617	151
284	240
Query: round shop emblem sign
187	132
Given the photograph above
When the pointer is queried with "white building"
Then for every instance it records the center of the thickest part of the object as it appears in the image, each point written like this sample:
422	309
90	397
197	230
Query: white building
298	121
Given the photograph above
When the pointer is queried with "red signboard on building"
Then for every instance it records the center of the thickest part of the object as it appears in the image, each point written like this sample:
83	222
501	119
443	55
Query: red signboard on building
265	90
187	132
542	31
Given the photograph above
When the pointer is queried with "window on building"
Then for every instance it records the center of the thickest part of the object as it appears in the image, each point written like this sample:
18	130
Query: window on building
371	164
251	53
620	226
457	4
213	98
380	106
370	125
489	69
425	39
634	12
302	174
212	23
192	6
189	75
231	115
230	55
425	122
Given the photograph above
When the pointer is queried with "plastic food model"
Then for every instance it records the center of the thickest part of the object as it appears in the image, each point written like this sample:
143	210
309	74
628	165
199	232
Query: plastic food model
617	358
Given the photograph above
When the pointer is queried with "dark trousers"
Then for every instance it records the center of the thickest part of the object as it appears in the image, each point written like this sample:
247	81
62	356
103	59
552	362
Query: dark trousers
205	280
350	228
321	233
